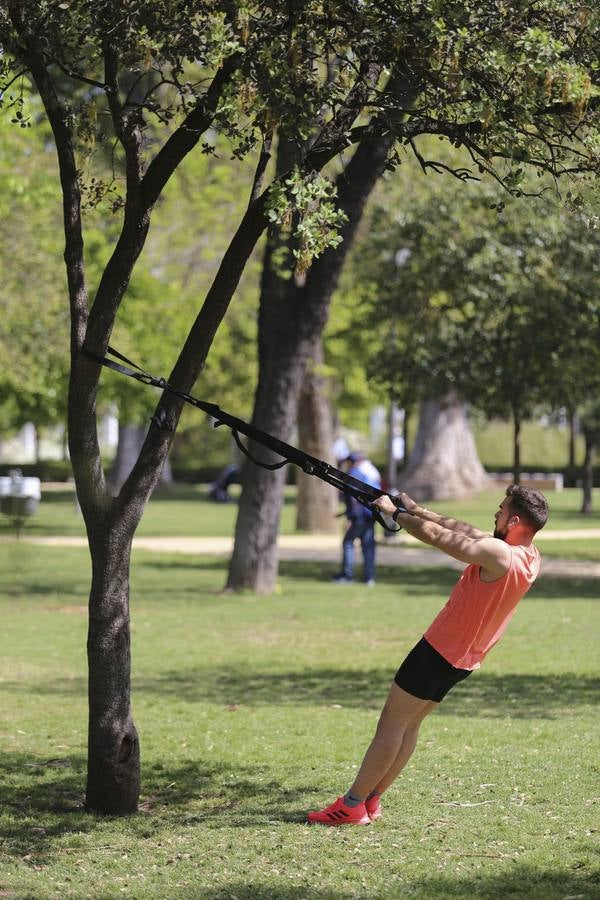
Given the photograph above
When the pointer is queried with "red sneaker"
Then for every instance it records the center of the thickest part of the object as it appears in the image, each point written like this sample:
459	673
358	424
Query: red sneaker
373	807
340	814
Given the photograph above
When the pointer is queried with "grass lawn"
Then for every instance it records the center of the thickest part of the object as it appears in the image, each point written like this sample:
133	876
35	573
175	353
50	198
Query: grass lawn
253	710
546	445
187	511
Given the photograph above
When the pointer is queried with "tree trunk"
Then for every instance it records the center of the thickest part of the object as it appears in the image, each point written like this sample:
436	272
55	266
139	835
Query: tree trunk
408	426
254	560
572	420
393	458
588	470
113	779
36	444
516	448
316	502
443	463
131	441
291	320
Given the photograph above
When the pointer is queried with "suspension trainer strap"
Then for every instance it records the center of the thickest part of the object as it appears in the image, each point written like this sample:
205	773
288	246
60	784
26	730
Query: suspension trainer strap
271	466
362	492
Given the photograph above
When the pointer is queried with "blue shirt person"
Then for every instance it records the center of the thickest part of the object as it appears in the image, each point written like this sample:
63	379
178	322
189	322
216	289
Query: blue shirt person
361	524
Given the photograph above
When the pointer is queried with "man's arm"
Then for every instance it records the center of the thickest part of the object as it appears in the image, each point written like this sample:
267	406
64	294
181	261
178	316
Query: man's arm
450	524
492	554
429	516
473	546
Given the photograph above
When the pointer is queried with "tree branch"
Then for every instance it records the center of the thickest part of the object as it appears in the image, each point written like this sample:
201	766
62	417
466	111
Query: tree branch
438	167
192	357
143	192
83	439
127	130
329	142
263	161
187	135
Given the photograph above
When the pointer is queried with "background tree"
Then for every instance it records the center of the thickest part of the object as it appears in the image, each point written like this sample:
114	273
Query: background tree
590	425
497	305
34	325
512	87
315	507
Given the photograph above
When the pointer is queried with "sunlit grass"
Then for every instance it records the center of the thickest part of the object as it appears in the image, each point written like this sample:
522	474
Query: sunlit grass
187	511
252	710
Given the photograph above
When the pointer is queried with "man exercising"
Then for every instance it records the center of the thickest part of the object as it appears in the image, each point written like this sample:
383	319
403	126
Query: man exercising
501	569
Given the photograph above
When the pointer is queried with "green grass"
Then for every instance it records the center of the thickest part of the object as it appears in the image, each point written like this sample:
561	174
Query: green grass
494	441
252	710
565	515
564	509
187	511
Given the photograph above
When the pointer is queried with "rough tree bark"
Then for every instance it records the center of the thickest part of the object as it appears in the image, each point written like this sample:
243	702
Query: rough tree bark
113	777
291	319
516	447
113	750
130	443
292	316
316	501
588	470
443	462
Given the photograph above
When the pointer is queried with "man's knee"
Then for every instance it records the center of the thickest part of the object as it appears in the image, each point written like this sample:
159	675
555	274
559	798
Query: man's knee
390	724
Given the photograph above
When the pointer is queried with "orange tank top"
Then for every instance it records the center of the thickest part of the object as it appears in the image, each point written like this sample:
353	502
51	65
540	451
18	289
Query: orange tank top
478	612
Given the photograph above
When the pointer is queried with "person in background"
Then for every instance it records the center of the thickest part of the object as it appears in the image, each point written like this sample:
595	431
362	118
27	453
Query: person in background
340	450
361	524
219	489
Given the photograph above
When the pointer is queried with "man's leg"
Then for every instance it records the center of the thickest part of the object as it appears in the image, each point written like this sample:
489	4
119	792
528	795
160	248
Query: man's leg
348	551
385	751
409	742
387	754
367	541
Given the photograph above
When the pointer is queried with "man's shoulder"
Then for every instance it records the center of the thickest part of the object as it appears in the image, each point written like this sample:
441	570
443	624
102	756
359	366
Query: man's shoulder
526	558
526	551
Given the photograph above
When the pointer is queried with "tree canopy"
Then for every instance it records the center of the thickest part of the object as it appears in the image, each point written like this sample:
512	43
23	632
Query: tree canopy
499	304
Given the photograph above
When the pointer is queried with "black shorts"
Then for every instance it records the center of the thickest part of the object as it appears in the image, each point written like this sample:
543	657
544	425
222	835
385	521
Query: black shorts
426	674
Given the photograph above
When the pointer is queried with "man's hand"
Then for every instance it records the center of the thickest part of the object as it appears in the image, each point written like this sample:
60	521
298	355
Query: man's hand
387	506
407	502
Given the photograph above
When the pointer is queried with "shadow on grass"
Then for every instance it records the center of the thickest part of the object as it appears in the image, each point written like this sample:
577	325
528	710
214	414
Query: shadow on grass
514	883
407	579
483	695
48	590
43	803
42	819
487	695
436	579
201	494
556	588
411	579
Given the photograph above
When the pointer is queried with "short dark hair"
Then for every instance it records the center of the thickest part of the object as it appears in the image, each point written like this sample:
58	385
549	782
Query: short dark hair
529	504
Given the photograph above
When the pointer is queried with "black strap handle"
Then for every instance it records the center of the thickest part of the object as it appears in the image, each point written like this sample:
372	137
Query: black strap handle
362	492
